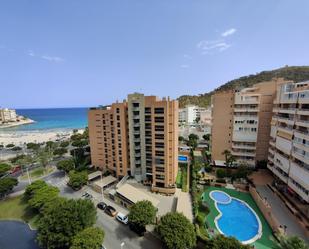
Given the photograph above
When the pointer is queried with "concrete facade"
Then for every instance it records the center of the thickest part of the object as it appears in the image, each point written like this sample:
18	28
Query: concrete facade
288	156
241	123
138	137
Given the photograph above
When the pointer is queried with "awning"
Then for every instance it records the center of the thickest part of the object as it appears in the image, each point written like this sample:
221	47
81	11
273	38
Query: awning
94	175
106	181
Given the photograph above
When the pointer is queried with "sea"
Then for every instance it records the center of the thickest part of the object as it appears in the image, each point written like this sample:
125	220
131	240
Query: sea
52	119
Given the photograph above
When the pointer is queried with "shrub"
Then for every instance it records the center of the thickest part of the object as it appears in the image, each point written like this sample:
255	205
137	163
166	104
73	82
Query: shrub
220	173
64	144
10	146
16	148
221	180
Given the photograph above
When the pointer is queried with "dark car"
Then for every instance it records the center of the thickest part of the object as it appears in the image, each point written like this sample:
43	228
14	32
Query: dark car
110	211
101	205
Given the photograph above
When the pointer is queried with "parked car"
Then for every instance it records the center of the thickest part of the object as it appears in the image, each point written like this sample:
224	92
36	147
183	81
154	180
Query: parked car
103	247
101	205
122	218
110	211
87	195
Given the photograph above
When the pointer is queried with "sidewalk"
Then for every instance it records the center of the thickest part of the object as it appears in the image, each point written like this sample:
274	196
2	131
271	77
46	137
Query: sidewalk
281	213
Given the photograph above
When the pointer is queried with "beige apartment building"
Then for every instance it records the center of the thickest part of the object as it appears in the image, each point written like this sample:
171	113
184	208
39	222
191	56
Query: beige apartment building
241	123
7	115
289	143
138	137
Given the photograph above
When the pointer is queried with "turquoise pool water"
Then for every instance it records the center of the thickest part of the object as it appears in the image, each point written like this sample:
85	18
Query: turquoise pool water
237	219
182	158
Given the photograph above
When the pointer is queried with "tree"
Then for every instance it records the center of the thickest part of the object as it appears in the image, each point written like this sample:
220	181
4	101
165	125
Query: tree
50	145
62	219
43	196
4	168
292	242
64	144
44	157
77	179
33	146
79	143
32	188
221	173
66	165
86	133
181	139
6	185
176	231
60	151
193	141
220	242
142	213
89	238
206	137
242	171
229	158
16	148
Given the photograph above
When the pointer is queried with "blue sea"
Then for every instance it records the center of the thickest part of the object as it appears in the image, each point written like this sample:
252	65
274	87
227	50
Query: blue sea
51	119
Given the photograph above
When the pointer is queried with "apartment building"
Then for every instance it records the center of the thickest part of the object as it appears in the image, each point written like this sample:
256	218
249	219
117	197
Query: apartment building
241	123
138	137
191	114
288	157
7	115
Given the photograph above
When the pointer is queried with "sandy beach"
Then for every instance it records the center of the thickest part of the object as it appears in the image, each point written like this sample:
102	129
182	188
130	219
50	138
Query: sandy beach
20	138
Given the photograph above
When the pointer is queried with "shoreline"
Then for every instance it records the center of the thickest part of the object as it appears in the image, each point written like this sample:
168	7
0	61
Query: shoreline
19	138
17	123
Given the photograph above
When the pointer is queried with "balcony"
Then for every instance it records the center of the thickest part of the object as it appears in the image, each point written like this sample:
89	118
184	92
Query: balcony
246	109
303	112
282	177
302	122
289	98
282	162
304	97
286	120
287	110
299	174
300	156
243	146
243	153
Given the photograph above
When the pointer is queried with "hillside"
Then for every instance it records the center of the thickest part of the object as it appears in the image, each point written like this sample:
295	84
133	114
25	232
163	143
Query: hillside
294	73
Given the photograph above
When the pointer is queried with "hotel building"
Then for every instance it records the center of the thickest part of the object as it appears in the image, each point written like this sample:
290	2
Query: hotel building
288	157
241	123
191	113
7	115
138	137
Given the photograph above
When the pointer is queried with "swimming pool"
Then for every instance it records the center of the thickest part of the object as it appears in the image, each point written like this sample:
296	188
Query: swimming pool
236	218
182	158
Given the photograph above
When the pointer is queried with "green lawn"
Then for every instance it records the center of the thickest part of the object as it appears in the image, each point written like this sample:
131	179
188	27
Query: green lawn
16	209
36	173
182	177
266	241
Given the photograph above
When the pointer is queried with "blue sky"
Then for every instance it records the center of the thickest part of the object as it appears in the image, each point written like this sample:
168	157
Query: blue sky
67	53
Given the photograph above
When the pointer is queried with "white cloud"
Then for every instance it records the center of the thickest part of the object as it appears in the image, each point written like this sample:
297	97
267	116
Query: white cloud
228	32
52	58
215	45
184	66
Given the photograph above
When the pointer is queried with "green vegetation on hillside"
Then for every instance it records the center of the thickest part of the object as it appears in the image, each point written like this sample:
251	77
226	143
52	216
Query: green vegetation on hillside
293	73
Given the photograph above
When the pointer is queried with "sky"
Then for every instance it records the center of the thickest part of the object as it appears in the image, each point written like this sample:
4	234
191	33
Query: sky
81	53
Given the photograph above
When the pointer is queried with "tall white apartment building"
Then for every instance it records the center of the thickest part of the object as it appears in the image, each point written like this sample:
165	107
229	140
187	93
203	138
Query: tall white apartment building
191	113
288	156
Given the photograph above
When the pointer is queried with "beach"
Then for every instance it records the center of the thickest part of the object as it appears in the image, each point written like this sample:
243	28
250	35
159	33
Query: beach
19	138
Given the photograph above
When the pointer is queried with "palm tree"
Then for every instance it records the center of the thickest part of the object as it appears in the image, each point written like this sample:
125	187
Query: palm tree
292	242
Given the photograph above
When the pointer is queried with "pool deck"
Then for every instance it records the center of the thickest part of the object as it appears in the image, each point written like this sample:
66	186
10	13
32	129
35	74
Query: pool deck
266	241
